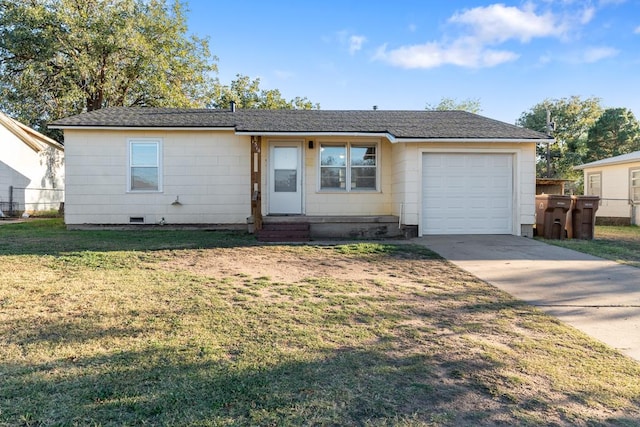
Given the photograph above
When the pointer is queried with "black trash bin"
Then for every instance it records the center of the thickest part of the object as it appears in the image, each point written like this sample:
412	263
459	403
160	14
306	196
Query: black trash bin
583	217
551	215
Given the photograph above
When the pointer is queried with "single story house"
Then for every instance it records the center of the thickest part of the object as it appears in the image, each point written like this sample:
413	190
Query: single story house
346	173
31	169
616	181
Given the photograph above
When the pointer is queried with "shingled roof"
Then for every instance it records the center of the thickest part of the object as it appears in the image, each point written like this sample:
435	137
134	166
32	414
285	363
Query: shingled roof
394	124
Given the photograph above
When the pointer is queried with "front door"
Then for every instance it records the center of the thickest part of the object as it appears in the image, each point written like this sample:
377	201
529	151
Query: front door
285	183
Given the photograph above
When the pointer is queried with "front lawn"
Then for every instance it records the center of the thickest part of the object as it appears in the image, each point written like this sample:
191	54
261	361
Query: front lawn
620	244
210	329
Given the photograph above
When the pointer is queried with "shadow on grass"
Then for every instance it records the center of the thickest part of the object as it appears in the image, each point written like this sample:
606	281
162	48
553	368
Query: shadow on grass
385	382
158	386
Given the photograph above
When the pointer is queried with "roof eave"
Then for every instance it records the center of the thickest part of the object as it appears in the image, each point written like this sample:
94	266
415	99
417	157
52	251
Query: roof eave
145	128
492	140
597	165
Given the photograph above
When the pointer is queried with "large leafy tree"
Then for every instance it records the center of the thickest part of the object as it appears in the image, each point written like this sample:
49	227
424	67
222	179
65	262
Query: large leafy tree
572	118
615	132
62	57
446	104
246	93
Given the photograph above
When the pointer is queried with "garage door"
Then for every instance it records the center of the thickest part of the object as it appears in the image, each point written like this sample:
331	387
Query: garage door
467	193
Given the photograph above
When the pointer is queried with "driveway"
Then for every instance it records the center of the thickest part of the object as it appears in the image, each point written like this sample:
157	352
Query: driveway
596	296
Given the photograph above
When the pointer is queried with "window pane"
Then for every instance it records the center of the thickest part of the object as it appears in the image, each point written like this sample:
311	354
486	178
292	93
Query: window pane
333	156
285	158
363	178
286	180
144	154
593	188
333	177
363	156
144	179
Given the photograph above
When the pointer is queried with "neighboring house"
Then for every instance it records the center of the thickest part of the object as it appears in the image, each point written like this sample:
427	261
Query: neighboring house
347	173
616	181
31	169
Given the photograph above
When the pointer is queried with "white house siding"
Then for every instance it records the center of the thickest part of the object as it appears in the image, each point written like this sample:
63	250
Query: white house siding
206	171
615	189
318	202
407	179
37	178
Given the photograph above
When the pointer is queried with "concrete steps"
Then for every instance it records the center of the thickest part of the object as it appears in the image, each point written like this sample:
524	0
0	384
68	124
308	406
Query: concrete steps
285	232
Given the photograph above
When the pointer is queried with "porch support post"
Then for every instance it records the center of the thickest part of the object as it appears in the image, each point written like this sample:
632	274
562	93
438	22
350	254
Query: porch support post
256	182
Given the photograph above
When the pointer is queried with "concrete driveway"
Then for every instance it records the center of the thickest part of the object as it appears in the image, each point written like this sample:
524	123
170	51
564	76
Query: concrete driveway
599	297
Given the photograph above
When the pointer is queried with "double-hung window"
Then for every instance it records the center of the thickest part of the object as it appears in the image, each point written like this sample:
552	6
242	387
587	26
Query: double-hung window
635	185
349	167
145	165
594	184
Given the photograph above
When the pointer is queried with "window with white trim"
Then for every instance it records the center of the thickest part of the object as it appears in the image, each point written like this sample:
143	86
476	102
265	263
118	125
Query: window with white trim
594	184
349	167
145	165
635	185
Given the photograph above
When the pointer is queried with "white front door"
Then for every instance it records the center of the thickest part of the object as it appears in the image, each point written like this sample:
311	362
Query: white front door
285	178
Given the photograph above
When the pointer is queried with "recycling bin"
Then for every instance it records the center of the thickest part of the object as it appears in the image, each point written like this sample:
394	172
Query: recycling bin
583	217
551	215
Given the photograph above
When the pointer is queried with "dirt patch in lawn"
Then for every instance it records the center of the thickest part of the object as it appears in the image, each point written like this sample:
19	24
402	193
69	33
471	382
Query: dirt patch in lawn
199	328
490	359
294	264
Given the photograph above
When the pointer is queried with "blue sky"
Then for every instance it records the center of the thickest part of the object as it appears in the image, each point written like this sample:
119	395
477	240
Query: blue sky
405	54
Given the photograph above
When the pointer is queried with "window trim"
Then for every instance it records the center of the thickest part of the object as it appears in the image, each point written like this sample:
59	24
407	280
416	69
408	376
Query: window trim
589	175
130	143
348	145
631	187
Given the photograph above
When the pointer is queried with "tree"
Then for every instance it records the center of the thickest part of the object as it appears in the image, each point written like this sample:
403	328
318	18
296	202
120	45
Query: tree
246	93
572	117
63	57
615	132
448	104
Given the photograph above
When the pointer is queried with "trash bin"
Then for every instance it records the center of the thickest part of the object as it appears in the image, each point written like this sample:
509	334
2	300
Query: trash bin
583	217
551	215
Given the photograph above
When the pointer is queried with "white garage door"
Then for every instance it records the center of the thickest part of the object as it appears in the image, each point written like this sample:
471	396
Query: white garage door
467	193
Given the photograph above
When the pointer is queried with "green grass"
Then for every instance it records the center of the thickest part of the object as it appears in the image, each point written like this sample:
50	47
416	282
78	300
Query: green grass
620	244
49	236
209	329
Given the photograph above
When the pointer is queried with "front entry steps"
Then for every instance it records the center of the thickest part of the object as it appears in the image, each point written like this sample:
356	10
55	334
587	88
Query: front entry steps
284	232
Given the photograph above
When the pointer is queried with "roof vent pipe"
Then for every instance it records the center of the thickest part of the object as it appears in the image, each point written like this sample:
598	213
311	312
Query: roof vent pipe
232	105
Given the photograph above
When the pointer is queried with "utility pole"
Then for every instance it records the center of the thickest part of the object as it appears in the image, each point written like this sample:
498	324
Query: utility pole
550	126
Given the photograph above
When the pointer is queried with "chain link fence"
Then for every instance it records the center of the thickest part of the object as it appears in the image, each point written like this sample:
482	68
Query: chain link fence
19	201
618	212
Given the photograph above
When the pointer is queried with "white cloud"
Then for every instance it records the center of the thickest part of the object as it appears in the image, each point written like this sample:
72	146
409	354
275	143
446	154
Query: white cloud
483	30
596	54
355	43
498	23
352	42
463	53
587	15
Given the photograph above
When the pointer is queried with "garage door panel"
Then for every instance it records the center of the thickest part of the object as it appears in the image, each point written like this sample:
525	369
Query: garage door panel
467	193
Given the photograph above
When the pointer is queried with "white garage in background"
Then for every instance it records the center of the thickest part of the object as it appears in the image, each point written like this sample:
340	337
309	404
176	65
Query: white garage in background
464	193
